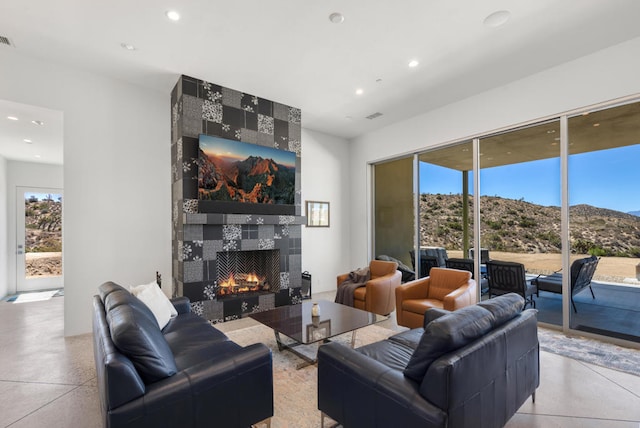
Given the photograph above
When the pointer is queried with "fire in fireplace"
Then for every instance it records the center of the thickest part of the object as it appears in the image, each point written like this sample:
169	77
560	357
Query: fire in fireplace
247	272
242	283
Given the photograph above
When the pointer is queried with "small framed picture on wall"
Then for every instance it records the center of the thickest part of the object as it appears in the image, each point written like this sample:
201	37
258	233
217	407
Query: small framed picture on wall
317	214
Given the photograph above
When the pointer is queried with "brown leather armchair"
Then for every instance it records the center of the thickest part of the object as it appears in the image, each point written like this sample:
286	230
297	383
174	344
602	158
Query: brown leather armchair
378	295
448	289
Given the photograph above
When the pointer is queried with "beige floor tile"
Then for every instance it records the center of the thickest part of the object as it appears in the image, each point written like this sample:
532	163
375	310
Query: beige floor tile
18	399
624	380
544	421
572	388
78	408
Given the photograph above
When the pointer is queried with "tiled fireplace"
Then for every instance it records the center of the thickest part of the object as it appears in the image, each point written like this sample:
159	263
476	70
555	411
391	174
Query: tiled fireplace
250	272
207	245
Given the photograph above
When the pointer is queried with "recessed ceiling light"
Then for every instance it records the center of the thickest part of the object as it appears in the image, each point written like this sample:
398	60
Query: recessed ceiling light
557	138
37	122
28	141
336	18
497	19
127	46
551	131
596	124
37	156
12	118
359	91
413	63
173	15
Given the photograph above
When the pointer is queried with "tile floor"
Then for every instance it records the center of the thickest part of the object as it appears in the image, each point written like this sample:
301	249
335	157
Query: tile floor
47	380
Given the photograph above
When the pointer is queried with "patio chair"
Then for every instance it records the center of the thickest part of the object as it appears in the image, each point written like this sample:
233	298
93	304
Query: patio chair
407	273
467	264
426	262
582	271
484	255
509	277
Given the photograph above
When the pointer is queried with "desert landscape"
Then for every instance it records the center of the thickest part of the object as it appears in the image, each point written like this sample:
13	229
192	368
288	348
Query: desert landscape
610	269
43	237
519	231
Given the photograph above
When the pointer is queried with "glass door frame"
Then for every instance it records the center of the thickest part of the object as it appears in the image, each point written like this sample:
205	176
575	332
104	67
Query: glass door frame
22	283
564	194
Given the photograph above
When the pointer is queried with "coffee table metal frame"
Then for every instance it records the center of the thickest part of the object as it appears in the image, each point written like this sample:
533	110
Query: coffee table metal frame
292	321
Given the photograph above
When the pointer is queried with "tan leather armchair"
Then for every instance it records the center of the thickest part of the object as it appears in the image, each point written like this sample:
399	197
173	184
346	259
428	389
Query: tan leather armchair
378	295
448	289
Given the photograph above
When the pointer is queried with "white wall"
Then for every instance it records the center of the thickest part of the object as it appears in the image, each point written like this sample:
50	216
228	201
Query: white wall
27	174
4	241
117	180
325	177
596	78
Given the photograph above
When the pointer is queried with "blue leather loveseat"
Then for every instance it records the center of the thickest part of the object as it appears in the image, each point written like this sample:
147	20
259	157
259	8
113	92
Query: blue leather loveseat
188	374
473	367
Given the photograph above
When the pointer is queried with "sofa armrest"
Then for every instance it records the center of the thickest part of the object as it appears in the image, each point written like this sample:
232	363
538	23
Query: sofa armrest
182	304
461	297
358	391
206	392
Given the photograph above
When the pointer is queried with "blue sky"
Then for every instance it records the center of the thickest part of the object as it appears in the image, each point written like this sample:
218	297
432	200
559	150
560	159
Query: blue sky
605	179
240	151
41	196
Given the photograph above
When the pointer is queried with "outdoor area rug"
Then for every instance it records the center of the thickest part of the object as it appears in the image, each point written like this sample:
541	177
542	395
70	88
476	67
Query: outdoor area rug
590	350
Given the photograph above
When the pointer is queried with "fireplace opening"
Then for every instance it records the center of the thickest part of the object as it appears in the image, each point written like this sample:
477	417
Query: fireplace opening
241	272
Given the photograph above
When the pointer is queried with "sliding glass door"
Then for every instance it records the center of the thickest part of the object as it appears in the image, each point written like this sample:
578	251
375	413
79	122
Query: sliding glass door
446	205
560	197
604	199
394	213
520	199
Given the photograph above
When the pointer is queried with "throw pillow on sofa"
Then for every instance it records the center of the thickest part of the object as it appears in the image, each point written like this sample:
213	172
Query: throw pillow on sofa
446	334
155	299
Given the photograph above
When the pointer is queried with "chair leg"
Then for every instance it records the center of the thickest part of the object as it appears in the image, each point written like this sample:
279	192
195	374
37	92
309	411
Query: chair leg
574	305
533	397
591	289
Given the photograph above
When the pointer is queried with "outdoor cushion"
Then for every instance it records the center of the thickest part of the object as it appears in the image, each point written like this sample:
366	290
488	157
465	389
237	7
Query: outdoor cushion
446	334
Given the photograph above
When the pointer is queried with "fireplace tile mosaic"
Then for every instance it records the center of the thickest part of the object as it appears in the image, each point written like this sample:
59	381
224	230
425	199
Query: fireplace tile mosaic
200	107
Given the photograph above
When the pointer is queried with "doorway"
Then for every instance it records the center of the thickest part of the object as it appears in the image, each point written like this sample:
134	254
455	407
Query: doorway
39	239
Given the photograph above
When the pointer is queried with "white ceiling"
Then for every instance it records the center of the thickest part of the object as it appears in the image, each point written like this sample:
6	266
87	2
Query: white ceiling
288	50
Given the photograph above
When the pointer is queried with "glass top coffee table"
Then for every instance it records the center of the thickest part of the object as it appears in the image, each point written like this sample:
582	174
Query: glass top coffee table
297	323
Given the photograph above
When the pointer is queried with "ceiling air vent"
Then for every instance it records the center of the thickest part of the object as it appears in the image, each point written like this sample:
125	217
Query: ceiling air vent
5	41
374	115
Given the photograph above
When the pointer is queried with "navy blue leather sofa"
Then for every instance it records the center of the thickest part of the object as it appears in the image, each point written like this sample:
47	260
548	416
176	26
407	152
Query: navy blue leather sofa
473	367
188	374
